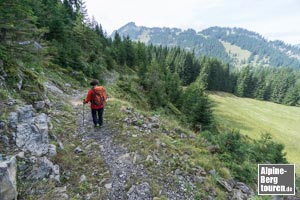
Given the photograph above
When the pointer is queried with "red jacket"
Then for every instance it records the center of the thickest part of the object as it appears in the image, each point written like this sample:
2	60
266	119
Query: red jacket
89	98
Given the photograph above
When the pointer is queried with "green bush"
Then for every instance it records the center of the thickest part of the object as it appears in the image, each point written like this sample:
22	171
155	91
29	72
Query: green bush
3	94
241	155
266	150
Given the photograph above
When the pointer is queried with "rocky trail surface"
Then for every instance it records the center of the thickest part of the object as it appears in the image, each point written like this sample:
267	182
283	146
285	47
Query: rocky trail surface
120	162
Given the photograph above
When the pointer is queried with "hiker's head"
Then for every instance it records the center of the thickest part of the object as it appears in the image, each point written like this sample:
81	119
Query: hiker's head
94	82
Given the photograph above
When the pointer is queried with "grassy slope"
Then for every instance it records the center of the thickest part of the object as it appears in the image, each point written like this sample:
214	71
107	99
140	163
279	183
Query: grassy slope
241	54
255	117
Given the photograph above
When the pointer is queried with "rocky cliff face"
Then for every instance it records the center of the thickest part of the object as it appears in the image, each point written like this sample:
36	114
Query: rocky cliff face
27	151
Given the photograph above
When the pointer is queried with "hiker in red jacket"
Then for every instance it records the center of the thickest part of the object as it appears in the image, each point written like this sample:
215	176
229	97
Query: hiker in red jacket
97	96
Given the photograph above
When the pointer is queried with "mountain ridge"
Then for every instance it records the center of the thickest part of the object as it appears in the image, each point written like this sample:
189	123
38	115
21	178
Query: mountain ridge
209	42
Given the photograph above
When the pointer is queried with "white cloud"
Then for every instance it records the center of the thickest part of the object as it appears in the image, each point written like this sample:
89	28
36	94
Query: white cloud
274	19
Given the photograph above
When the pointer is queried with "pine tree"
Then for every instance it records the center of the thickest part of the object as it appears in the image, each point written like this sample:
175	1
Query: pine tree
130	56
18	29
155	85
173	87
190	69
282	80
196	106
244	87
119	53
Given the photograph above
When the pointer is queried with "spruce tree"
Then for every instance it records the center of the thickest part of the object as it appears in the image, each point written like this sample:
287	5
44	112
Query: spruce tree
18	30
196	106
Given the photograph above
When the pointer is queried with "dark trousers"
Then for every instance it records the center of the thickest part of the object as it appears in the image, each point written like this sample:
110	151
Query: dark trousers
97	115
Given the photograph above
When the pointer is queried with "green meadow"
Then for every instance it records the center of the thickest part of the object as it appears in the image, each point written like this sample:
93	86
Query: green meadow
253	117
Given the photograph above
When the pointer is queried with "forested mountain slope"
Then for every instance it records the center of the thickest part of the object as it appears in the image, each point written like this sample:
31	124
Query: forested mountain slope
236	46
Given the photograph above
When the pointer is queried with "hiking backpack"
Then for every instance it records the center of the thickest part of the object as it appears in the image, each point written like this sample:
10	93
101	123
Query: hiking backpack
99	96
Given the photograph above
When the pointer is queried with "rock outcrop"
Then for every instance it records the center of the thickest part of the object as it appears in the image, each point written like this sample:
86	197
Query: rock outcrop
44	168
3	74
30	144
237	190
31	133
8	187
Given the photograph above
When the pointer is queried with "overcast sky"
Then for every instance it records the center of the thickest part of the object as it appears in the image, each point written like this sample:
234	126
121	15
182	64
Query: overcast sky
273	19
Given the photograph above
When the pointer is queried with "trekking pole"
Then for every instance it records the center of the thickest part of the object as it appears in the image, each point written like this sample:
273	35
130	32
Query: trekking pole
83	114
